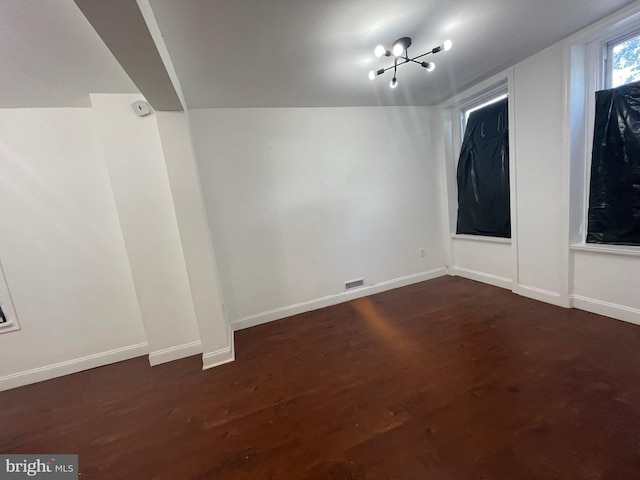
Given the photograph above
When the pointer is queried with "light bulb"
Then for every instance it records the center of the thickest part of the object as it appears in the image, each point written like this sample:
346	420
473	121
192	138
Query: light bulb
372	75
394	82
447	45
380	51
430	66
398	50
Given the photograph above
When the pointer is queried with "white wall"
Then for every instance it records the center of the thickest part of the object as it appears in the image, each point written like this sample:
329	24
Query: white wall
62	249
539	102
549	192
133	154
215	336
551	93
482	260
302	200
607	283
532	265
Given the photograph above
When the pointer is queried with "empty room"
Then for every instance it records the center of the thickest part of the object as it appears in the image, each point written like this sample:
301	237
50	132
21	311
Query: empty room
320	240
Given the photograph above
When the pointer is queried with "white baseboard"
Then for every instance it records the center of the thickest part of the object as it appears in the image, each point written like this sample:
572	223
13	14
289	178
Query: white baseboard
175	353
608	309
72	366
277	314
495	280
540	294
221	356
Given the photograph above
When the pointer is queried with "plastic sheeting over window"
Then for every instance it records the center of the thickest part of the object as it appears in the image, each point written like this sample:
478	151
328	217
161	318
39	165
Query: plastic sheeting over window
614	195
483	174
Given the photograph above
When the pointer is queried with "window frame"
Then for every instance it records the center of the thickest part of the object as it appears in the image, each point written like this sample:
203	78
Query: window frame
453	121
474	104
585	72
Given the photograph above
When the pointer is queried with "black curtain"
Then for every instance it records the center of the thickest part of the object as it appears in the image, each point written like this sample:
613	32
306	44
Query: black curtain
483	174
614	194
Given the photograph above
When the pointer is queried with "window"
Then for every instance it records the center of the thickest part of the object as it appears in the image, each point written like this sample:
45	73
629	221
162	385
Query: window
483	171
592	56
8	319
614	190
623	61
467	113
613	195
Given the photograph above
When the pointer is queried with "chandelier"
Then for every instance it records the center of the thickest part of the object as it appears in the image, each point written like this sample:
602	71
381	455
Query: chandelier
400	53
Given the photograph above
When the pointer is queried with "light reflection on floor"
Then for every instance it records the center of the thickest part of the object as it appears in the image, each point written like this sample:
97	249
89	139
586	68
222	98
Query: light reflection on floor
392	337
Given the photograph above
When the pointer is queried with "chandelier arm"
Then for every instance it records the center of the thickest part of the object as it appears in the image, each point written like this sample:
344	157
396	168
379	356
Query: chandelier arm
423	55
406	60
396	65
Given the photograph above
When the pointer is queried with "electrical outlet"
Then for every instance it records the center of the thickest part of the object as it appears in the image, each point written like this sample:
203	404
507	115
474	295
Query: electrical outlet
423	254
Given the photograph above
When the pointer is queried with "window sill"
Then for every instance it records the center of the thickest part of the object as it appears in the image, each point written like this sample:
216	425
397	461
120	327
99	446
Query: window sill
625	250
482	238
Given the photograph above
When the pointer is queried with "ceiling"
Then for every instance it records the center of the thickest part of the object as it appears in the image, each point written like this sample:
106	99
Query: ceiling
311	53
270	53
51	57
123	28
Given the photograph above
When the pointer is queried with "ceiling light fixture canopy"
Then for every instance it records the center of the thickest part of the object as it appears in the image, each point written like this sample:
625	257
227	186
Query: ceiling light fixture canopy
400	53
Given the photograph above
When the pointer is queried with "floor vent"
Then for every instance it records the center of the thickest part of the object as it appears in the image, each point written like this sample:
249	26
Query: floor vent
354	284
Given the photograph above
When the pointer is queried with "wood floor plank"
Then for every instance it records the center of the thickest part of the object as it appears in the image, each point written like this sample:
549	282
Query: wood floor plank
446	379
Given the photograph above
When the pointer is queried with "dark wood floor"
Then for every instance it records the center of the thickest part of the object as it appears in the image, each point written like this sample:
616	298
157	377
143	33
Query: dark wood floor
447	379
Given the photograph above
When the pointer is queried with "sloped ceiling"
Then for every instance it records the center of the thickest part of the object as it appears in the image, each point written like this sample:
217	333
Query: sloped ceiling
121	25
295	53
51	57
